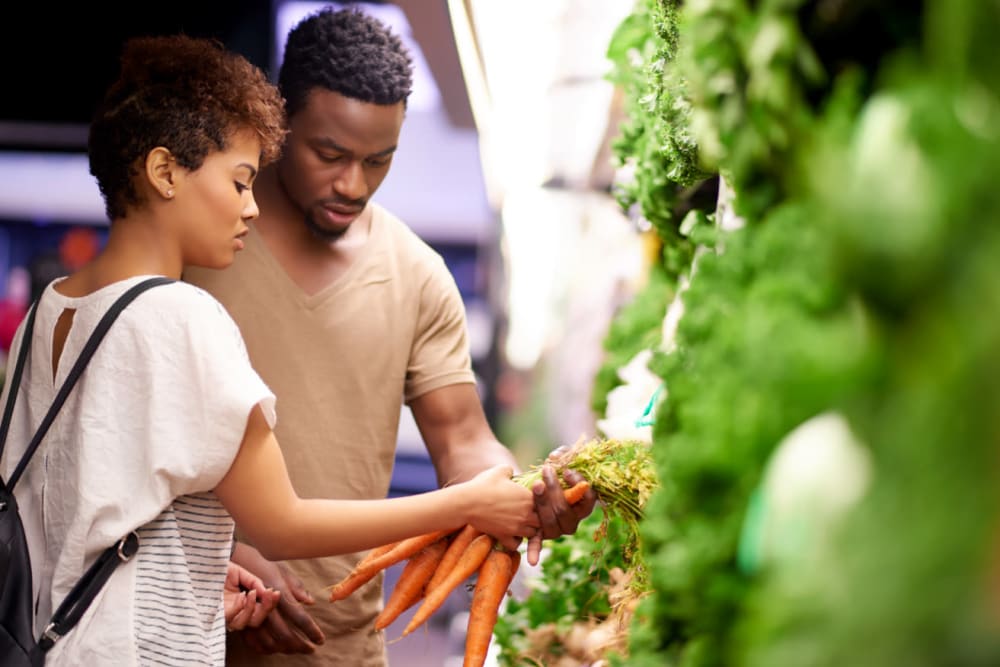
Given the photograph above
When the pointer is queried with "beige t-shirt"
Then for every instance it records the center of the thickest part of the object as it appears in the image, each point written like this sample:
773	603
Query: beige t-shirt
341	362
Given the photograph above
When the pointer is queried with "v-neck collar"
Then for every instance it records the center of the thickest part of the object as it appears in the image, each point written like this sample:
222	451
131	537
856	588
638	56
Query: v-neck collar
257	245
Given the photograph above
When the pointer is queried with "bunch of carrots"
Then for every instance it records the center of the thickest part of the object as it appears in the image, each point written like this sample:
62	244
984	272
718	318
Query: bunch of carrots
621	473
436	564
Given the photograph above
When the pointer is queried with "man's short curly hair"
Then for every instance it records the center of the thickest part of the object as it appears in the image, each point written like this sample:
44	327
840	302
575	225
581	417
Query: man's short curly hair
347	52
189	95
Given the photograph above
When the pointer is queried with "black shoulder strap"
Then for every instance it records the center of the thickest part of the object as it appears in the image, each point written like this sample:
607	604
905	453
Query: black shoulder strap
74	373
83	593
14	381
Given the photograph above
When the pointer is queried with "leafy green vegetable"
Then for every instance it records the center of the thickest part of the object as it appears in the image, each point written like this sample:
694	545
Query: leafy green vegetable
655	140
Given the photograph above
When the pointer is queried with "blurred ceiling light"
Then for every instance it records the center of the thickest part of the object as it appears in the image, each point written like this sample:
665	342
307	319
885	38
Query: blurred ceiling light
535	76
535	73
519	58
471	62
540	231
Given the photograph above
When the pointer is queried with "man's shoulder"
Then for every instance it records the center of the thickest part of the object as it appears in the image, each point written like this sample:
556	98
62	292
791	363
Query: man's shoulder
402	240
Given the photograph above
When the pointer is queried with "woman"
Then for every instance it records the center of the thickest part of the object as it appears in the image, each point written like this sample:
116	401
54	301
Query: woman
169	431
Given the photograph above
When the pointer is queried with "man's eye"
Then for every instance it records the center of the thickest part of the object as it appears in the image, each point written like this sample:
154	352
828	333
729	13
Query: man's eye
329	158
377	163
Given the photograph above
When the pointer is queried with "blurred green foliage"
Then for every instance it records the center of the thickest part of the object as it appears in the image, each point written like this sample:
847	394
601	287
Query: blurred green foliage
865	281
862	141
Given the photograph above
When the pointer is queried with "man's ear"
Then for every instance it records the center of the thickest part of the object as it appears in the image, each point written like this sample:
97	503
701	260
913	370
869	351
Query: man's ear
161	171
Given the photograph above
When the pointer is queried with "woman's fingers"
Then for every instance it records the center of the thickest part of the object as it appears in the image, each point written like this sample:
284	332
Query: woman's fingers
245	603
265	605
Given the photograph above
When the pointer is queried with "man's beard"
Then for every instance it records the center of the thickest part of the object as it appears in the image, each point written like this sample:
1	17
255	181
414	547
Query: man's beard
323	234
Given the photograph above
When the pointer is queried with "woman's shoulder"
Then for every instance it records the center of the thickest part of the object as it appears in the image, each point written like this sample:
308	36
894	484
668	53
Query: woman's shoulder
177	304
182	313
190	296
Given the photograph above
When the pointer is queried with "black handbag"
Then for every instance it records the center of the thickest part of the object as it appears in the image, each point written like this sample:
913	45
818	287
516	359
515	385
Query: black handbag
18	646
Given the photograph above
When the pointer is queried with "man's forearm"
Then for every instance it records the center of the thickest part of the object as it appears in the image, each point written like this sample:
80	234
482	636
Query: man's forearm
464	463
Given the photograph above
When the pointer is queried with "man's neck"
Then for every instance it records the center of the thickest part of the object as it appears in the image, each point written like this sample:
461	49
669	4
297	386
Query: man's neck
311	262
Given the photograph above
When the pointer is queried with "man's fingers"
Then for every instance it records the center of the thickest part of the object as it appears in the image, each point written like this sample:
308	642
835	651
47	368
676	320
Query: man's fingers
543	508
566	517
260	640
562	520
510	543
251	637
534	549
585	505
556	453
284	639
297	615
298	590
556	515
264	606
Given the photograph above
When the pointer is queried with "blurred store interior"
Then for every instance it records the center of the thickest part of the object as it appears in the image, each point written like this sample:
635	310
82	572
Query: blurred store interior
503	166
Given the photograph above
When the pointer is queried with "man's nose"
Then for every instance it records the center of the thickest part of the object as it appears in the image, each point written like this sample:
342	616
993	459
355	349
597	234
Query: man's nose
350	182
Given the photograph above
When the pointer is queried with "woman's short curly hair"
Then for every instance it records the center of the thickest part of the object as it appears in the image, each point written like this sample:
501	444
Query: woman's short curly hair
189	95
347	52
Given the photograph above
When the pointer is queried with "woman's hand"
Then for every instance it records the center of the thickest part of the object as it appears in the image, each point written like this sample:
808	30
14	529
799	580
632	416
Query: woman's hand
501	507
289	628
246	600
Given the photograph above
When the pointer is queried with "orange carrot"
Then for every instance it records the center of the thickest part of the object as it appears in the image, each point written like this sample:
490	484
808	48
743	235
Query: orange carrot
412	580
454	552
575	493
495	576
516	557
471	559
375	553
369	557
362	575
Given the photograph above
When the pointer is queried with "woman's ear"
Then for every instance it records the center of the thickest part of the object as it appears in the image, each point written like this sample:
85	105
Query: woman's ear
161	171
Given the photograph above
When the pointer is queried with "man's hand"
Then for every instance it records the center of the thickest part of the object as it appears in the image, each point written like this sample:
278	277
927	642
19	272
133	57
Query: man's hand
289	628
246	600
556	515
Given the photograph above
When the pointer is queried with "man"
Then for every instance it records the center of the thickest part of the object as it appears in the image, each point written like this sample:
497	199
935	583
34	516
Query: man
346	313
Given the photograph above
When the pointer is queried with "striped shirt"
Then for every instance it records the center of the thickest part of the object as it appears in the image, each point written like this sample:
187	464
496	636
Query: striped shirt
180	571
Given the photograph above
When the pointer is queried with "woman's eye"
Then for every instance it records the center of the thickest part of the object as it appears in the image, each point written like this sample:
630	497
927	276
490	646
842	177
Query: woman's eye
240	187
